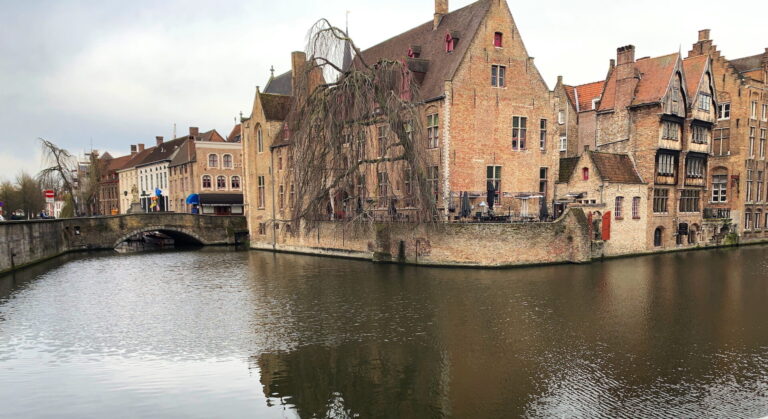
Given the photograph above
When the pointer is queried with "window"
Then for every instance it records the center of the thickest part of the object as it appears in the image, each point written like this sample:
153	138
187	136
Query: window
262	194
383	179
450	43
749	185
543	172
753	110
689	200
292	195
660	200
221	182
705	102
235	182
724	111
433	137
213	160
262	229
226	161
585	173
281	196
658	236
498	39
748	221
758	215
433	180
752	131
498	75
665	165
543	134
381	137
493	177
279	159
636	208
561	117
694	167
518	132
563	142
670	130
719	186
721	143
765	112
206	182
762	142
618	208
759	186
700	134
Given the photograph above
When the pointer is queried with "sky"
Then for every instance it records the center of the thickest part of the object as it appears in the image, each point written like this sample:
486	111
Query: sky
105	74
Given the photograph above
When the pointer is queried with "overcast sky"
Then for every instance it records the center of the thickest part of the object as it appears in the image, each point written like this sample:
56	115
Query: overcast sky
108	73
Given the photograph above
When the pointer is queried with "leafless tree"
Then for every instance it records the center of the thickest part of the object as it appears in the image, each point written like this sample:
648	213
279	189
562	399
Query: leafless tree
335	112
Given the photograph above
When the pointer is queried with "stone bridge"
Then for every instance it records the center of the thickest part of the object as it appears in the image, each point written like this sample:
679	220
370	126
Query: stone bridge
26	242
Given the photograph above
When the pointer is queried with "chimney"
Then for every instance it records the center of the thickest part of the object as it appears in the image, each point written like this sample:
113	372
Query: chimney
559	79
625	55
704	35
133	150
141	147
159	140
193	131
298	67
441	9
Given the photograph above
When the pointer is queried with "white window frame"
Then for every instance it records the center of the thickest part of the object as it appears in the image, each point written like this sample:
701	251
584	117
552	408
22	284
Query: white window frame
563	142
724	111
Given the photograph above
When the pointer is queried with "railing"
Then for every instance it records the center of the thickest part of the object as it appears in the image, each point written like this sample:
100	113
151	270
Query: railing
717	213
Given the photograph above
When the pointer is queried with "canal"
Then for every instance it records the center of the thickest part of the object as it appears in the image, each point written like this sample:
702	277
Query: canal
217	333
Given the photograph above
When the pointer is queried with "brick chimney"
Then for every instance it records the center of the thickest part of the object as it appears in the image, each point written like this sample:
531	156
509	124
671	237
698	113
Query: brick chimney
159	139
441	9
134	150
298	68
704	35
703	46
193	131
141	147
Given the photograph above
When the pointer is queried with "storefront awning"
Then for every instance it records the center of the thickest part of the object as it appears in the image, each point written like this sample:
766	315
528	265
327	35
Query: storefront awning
221	199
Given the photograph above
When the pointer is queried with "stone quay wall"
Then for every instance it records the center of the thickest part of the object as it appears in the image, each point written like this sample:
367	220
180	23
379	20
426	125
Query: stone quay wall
26	242
443	244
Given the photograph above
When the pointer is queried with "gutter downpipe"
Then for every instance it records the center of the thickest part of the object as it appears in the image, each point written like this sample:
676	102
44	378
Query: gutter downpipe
272	186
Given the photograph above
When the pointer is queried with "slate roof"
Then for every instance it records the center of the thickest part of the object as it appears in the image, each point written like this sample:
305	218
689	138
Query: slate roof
584	94
743	65
280	85
615	168
567	165
234	136
276	107
185	155
164	151
137	159
655	75
462	23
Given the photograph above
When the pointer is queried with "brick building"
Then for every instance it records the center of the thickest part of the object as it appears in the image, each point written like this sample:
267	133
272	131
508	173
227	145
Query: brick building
738	169
489	116
109	187
660	112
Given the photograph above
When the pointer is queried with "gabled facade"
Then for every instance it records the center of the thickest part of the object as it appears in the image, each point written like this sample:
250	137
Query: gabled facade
660	112
738	198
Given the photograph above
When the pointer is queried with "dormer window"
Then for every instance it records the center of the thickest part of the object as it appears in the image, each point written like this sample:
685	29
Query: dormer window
450	43
498	39
414	51
585	173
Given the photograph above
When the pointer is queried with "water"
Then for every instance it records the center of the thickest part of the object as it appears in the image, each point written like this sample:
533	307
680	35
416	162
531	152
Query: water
214	333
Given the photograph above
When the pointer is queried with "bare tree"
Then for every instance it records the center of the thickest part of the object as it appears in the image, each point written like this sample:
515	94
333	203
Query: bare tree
329	131
60	169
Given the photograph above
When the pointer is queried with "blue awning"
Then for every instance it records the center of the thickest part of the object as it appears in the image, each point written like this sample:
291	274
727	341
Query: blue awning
193	199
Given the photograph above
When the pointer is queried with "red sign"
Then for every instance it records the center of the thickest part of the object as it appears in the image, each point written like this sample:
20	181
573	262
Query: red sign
49	193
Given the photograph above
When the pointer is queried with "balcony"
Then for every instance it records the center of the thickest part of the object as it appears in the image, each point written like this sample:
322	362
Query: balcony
717	213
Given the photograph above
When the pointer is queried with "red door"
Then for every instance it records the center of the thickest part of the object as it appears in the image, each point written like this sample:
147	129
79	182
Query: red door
606	226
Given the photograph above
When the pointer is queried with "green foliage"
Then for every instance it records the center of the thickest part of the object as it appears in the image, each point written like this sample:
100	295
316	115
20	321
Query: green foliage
25	195
68	210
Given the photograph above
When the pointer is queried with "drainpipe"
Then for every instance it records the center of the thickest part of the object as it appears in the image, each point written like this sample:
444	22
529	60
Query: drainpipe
272	186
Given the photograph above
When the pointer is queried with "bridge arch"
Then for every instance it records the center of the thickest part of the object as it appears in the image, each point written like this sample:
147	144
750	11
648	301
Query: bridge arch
178	234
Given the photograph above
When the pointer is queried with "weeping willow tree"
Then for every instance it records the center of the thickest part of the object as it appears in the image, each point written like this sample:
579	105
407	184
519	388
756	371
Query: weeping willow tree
353	127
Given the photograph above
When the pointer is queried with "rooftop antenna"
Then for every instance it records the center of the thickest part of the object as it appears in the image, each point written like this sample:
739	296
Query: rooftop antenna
271	72
346	28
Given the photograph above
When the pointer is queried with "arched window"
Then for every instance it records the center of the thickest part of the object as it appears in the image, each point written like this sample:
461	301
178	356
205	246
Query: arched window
213	160
221	182
585	173
259	140
226	161
235	182
206	182
658	235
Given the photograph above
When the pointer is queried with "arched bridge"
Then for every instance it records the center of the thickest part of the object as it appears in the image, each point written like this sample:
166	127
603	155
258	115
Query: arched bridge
25	242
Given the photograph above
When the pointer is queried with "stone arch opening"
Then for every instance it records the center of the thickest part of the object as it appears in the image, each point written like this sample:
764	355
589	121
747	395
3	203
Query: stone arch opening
180	237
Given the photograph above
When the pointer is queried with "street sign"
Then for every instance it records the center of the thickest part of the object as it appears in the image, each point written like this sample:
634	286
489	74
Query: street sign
49	193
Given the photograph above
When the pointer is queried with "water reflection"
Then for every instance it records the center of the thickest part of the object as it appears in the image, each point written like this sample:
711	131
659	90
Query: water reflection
274	335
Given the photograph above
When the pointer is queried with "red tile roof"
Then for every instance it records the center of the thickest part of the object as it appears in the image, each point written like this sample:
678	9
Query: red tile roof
655	75
584	94
616	168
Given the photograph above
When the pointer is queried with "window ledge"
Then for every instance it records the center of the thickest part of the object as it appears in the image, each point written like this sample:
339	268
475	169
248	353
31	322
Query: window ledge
635	218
